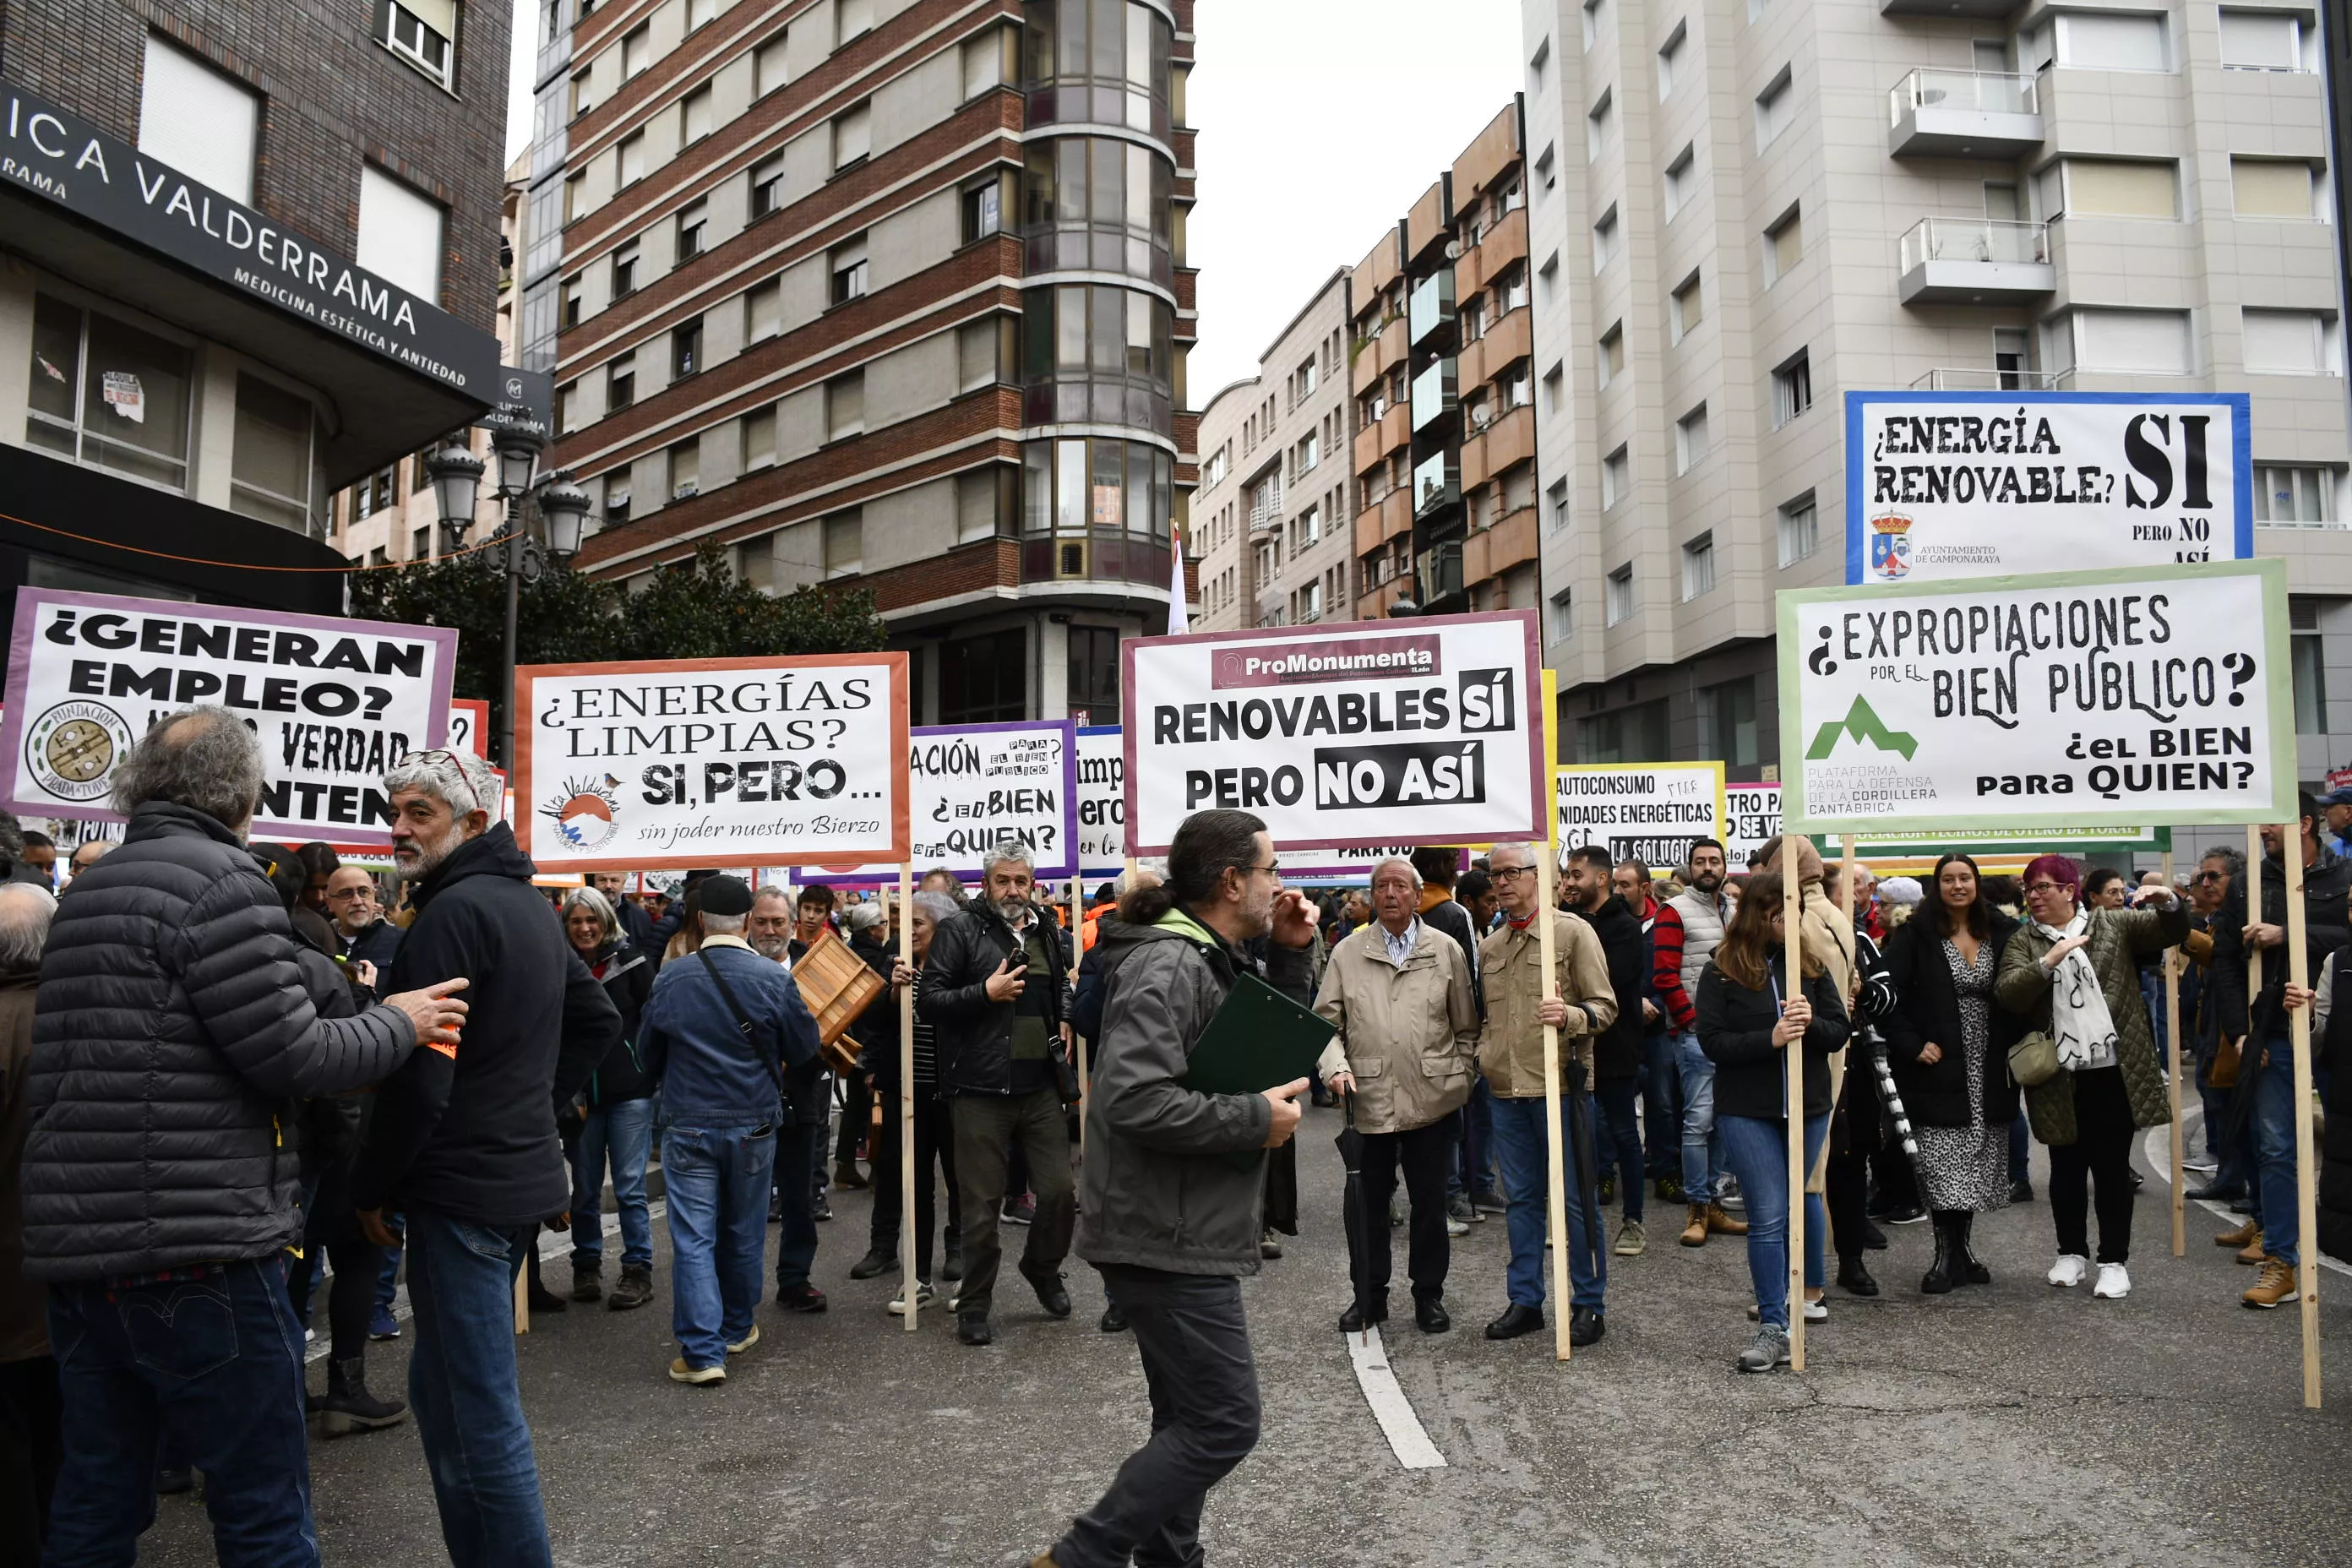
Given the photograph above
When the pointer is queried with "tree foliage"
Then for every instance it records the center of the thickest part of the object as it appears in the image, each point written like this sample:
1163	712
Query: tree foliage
696	609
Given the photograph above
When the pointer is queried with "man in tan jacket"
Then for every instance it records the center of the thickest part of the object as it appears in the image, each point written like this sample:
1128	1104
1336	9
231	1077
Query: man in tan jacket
1398	992
1580	1005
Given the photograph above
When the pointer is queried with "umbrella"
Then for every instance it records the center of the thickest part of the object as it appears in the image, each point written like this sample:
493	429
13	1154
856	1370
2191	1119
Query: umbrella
1351	1207
1893	1098
1588	1172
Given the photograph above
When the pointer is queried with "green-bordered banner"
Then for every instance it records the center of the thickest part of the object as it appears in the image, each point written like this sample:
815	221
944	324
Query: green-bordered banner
2070	699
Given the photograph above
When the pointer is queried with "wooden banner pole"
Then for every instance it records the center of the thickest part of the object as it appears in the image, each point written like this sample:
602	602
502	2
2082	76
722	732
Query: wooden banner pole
1078	1041
2253	917
1845	881
1792	911
1556	1197
2307	1273
2172	957
908	1241
522	1296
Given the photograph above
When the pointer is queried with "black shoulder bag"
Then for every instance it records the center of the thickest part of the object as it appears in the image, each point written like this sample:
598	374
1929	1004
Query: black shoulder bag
750	1032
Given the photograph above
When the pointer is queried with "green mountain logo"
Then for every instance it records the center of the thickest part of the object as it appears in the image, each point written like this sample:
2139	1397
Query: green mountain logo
1863	725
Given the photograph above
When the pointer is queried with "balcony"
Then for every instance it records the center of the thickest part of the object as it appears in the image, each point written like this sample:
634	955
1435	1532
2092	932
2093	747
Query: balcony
1382	350
1384	519
1375	441
1439	571
1492	551
1437	484
1436	393
1971	378
1952	10
1430	308
1976	261
1503	443
1963	114
1507	341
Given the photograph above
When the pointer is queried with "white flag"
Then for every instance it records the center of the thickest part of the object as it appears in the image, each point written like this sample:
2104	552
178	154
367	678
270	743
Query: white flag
1177	622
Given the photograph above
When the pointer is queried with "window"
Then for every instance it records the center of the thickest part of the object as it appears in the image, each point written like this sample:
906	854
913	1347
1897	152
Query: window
2268	41
1555	386
2289	342
1618	599
1727	722
636	49
982	496
269	474
584	93
1611	358
767	188
197	120
1690	439
758	438
1558	497
1605	239
629	159
423	33
420	543
1792	388
983	63
575	195
1616	479
1633	734
616	498
984	679
624	270
1784	243
575	293
1094	673
2307	654
686	350
621	384
1698	566
979	345
1517	385
2271	187
768	66
108	394
2114	41
374	493
567	407
983	211
400	233
1547	169
1685	307
1304	457
1682	179
1592	20
2110	187
845	405
851	18
845	266
700	12
693	223
1596	126
2147	343
1670	54
1772	109
1511	288
852	136
845	544
694	117
1559	620
1799	530
2285	498
685	469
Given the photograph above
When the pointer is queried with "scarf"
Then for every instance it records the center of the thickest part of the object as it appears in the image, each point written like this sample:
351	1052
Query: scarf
2079	1019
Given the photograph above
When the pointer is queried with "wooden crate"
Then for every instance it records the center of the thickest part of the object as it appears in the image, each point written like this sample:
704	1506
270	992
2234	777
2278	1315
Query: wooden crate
837	987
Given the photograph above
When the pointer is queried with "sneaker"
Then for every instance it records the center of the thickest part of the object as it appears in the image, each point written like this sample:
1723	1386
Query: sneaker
1456	1226
310	1336
1489	1202
681	1372
1669	1190
924	1296
1631	1240
1022	1210
1816	1311
1727	1194
587	1278
1268	1246
1396	1209
1458	1207
952	1264
2114	1285
877	1262
2021	1192
746	1342
2275	1287
636	1289
823	1210
383	1325
1911	1213
1607	1194
801	1298
2071	1269
1767	1350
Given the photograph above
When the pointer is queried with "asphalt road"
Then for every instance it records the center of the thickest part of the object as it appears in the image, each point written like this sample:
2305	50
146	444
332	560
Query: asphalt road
2011	1424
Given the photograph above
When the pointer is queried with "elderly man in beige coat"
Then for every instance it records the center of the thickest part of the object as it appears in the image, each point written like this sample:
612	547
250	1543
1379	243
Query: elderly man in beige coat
1518	1006
1399	991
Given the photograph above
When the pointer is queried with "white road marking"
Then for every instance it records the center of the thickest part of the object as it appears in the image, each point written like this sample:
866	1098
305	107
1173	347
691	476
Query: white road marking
2158	1147
1402	1429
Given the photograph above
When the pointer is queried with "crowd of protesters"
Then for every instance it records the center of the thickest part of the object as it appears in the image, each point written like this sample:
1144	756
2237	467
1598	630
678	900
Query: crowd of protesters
237	1078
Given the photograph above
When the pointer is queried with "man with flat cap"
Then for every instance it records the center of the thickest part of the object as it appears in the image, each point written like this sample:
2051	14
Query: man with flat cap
726	1037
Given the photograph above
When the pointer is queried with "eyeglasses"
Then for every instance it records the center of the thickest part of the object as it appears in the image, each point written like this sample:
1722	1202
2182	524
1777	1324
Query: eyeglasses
2211	875
2047	887
1509	873
1272	867
353	893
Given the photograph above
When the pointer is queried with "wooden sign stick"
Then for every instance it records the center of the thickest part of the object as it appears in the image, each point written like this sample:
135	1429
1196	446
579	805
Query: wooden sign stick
2307	1273
907	1240
1793	915
2172	1039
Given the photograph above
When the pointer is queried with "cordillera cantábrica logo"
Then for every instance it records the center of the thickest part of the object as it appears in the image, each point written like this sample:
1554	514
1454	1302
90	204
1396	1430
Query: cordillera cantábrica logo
586	812
1890	546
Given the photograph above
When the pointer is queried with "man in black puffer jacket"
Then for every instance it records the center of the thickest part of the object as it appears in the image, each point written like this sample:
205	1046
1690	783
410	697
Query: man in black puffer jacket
171	1040
466	1148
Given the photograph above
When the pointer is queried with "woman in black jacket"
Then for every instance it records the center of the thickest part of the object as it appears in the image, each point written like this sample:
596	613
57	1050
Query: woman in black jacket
1949	1046
618	1121
1743	1027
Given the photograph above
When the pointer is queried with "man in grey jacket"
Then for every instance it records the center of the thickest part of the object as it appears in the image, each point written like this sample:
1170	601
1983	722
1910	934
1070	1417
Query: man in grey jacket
1168	1220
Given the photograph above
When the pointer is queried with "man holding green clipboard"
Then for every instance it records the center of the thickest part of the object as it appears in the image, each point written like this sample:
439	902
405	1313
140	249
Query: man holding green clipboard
1182	1105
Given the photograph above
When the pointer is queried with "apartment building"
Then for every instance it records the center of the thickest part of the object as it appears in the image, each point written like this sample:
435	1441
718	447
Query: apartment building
250	256
1444	450
1274	511
888	293
1741	208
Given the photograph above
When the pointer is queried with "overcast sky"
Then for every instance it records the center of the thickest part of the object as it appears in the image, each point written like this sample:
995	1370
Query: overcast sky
1319	121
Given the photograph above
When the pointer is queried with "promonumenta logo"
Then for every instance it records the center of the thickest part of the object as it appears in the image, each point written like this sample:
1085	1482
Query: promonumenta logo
1867	729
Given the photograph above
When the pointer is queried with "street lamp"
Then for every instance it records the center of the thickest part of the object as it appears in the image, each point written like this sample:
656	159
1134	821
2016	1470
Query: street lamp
456	475
517	458
563	506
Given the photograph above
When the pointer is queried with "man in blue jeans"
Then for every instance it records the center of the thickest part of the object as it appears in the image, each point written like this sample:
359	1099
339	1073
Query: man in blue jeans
1688	930
466	1148
726	1034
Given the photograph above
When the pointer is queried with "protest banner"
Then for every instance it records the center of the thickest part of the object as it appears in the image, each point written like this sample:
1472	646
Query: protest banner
2065	701
469	727
1752	817
686	762
972	787
1942	485
1101	800
333	701
1425	731
1644	811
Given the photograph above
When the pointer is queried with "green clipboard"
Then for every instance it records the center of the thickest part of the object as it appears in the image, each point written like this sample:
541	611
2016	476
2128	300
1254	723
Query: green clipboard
1259	1040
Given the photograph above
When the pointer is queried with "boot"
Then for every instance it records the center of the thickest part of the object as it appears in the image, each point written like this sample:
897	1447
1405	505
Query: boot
2252	1254
350	1407
587	1278
1721	1223
1970	1268
2247	1235
1938	1279
846	1177
2275	1285
1695	1231
636	1289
